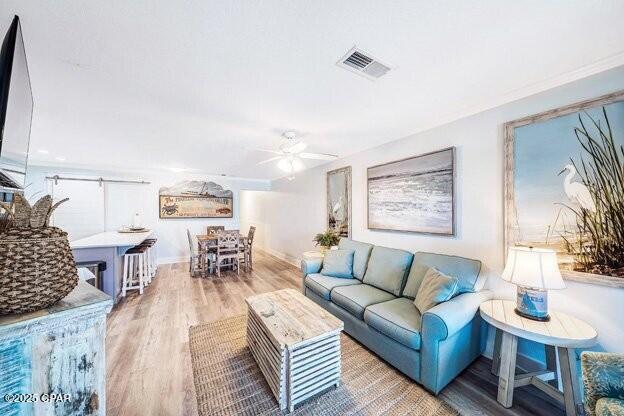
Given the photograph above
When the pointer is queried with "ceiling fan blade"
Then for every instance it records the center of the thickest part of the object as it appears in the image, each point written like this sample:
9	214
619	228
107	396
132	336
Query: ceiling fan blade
295	148
273	159
275	152
317	156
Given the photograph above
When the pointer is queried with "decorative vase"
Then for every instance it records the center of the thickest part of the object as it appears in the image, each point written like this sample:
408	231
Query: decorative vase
324	249
136	221
37	267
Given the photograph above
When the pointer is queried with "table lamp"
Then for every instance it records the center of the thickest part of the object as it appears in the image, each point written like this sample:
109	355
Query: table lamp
533	271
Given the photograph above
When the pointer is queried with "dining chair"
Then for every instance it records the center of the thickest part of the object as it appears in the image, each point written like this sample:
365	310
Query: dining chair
248	247
210	247
195	258
213	229
228	250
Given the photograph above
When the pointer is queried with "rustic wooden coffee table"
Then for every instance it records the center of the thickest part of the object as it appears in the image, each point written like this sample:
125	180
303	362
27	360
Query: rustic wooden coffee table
296	344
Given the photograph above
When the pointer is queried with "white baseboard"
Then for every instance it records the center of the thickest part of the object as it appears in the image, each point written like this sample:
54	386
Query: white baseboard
295	261
523	362
527	363
170	260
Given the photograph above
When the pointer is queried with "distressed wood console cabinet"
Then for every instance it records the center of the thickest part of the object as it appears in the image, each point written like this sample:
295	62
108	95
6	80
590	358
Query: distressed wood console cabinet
52	361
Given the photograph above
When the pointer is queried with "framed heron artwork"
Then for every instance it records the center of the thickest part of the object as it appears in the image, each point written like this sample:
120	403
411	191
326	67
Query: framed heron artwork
339	201
564	187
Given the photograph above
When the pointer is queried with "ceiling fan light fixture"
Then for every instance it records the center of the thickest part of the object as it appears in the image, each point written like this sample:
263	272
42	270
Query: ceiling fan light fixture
291	152
286	165
297	164
290	164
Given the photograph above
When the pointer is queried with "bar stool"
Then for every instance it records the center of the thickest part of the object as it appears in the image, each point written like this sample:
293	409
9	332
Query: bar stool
153	260
145	259
135	275
150	260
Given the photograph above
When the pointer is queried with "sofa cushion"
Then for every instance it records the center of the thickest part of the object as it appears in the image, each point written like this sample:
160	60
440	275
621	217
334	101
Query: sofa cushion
608	406
398	319
387	269
436	288
322	285
466	271
338	263
360	258
356	298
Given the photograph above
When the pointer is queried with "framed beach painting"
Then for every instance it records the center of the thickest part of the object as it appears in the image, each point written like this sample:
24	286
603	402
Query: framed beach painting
339	201
564	187
416	194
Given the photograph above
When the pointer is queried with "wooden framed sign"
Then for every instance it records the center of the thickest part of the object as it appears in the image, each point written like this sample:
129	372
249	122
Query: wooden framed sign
195	199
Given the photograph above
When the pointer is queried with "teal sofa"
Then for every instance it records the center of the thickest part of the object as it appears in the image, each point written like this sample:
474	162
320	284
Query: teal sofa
377	309
603	382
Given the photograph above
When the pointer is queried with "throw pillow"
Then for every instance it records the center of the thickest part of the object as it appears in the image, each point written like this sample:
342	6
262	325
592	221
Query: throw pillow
436	287
338	263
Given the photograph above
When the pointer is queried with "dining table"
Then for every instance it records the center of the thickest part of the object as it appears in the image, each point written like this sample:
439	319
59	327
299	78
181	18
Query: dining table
206	242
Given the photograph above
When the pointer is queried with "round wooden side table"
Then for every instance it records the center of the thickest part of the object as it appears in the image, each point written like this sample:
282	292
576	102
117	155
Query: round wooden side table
563	332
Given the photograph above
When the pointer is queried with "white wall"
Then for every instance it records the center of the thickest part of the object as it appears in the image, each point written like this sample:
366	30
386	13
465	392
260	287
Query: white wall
123	200
295	210
252	213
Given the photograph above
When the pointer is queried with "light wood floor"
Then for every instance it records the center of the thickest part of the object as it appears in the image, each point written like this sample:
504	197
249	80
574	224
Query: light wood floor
148	360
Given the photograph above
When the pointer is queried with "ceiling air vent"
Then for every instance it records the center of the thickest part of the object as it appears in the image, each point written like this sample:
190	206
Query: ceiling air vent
360	62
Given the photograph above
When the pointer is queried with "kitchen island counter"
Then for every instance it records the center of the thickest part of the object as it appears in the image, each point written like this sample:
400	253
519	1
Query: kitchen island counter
109	246
110	239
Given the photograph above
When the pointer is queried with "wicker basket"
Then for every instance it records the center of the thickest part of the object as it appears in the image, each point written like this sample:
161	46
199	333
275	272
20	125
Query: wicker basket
37	269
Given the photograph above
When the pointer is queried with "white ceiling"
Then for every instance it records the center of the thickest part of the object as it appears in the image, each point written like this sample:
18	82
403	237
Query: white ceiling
199	84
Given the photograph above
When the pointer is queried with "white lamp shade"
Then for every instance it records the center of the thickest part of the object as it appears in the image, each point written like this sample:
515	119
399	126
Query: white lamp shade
533	267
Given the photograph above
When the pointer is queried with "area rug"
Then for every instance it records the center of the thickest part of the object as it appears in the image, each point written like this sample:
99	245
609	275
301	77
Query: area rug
228	381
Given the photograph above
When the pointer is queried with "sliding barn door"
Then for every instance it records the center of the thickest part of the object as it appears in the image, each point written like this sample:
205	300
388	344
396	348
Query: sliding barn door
84	214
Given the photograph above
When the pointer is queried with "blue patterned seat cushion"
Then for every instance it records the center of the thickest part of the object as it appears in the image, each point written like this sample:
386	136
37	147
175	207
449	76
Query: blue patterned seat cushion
609	407
356	298
398	319
603	382
322	285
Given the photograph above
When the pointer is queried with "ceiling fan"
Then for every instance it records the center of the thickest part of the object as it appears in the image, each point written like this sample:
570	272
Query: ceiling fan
290	153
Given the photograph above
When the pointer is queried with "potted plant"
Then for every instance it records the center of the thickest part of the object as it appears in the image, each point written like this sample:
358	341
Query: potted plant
326	240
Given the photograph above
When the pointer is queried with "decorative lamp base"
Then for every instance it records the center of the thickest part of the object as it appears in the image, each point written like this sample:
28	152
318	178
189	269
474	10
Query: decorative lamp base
532	303
535	318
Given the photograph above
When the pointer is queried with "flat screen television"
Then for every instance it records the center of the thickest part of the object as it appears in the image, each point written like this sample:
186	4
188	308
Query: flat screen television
16	106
